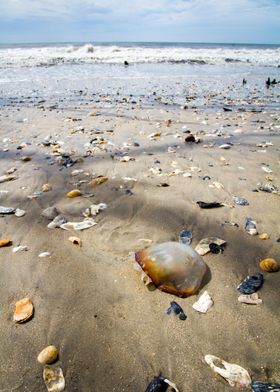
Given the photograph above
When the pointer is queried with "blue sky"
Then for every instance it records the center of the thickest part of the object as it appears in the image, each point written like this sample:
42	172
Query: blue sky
239	21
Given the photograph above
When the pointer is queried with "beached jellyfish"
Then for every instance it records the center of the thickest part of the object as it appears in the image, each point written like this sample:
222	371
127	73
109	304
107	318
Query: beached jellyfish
173	267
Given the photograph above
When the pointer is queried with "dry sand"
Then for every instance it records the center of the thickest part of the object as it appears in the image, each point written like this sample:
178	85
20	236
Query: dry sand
113	334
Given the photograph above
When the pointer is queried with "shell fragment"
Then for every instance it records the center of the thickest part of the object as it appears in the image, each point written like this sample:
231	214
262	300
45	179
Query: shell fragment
54	379
235	375
204	303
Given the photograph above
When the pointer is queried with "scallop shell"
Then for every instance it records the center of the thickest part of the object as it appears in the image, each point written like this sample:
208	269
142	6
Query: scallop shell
48	355
74	193
5	242
269	265
173	267
54	379
24	310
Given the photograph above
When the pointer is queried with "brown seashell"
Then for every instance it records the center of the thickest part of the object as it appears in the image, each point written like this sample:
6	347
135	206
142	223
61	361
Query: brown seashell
264	236
5	242
269	265
23	311
97	180
75	240
25	159
46	188
74	193
173	267
48	355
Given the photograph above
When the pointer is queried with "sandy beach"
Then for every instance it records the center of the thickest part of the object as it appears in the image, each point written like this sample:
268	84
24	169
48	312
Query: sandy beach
112	332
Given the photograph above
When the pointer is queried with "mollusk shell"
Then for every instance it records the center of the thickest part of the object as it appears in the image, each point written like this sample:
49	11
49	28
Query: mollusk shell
74	193
48	355
54	379
235	375
5	242
173	267
269	265
24	310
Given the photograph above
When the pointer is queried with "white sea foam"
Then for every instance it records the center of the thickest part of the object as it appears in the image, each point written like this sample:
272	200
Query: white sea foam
52	55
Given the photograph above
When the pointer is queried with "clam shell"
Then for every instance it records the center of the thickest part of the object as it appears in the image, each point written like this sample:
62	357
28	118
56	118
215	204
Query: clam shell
24	310
48	355
46	187
85	224
263	236
235	375
54	379
269	265
173	267
5	242
74	193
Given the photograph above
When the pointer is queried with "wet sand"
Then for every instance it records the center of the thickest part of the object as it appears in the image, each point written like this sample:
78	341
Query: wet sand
113	334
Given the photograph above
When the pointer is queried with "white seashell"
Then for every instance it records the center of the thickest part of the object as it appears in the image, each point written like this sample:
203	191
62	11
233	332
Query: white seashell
266	169
218	185
7	210
57	222
19	248
44	254
204	303
94	209
225	146
54	379
127	158
235	375
19	213
251	299
85	224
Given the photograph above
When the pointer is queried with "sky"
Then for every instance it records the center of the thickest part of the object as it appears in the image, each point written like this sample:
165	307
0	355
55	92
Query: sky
229	21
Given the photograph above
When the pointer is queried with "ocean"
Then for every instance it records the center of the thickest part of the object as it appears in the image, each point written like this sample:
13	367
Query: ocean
180	73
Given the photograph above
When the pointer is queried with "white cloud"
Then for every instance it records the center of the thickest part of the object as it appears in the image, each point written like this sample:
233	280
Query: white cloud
163	10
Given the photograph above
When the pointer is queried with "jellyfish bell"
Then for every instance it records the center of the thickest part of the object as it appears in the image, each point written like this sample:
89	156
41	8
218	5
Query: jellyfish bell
173	267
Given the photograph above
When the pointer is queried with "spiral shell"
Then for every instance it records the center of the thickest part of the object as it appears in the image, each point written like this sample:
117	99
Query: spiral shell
269	265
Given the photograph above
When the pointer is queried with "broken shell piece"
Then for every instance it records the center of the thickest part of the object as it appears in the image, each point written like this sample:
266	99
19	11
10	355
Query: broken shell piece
176	308
251	226
235	375
75	240
74	193
251	284
11	170
85	224
265	386
94	209
202	248
158	384
240	201
266	169
7	210
19	213
127	158
57	222
204	303
44	254
46	187
218	185
185	237
97	180
19	248
5	242
50	213
24	310
54	379
7	178
174	268
269	265
251	299
264	236
48	355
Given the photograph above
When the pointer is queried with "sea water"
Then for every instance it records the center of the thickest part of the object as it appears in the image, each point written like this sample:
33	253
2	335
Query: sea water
163	73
